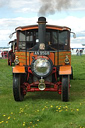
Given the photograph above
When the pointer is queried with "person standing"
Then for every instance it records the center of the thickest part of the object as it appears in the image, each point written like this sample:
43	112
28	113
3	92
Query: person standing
81	52
77	52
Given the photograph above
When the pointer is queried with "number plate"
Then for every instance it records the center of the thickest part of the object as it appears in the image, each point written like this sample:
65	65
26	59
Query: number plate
42	53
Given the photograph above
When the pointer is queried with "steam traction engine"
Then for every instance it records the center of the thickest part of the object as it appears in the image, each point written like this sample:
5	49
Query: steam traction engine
42	60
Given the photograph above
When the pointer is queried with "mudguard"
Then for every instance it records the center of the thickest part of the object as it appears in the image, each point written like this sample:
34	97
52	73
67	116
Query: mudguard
65	70
19	69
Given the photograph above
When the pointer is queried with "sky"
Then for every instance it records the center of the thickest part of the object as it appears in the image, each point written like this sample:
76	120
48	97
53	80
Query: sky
70	13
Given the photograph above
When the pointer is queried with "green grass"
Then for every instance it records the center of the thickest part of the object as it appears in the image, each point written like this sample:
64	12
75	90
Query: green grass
43	109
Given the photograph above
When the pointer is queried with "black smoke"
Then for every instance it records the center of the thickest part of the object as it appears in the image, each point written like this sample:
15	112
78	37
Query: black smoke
51	6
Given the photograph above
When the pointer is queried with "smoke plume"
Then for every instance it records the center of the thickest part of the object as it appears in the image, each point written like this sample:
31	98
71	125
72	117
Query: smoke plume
3	3
51	6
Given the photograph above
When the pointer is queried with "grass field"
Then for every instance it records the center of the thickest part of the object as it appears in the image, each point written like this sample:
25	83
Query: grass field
43	109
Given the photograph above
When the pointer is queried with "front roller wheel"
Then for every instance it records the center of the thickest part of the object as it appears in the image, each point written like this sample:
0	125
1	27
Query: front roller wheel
65	88
17	90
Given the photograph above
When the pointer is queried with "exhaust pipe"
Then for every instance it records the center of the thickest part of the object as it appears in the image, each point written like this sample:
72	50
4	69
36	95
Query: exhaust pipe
42	32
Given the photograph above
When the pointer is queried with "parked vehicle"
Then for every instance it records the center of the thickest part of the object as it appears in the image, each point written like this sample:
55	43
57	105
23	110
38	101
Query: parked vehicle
42	60
11	53
4	54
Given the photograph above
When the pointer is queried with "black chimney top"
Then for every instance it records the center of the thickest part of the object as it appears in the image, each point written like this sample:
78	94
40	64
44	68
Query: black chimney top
41	20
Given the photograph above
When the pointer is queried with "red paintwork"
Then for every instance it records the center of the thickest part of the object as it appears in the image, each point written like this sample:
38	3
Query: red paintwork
41	57
30	87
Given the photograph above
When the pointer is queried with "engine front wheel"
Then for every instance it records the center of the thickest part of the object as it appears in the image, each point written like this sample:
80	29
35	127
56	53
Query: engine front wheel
65	88
17	89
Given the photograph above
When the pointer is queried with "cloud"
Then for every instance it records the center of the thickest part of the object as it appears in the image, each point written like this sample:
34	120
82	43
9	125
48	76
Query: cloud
3	2
19	3
38	5
76	24
4	34
8	26
26	10
24	6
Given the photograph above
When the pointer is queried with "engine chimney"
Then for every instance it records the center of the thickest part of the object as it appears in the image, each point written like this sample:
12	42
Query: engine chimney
42	30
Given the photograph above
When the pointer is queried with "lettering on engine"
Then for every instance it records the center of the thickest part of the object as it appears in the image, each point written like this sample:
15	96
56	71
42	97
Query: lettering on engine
42	53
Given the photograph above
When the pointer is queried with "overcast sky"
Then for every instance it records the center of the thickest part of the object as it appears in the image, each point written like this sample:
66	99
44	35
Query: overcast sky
14	13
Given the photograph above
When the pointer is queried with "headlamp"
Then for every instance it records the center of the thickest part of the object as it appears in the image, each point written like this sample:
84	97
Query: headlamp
41	67
67	60
16	60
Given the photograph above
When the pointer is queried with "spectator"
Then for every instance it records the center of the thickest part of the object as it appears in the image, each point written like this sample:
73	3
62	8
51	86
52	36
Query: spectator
81	51
77	52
